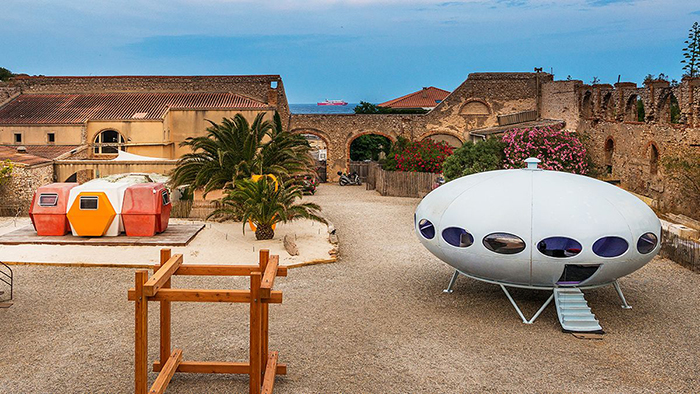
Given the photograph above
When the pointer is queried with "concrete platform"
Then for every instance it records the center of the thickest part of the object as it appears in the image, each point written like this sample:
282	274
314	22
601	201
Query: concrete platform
177	234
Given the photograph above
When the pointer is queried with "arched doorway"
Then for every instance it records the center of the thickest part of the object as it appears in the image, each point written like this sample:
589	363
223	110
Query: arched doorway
653	159
366	148
72	179
609	152
669	110
607	107
319	152
108	142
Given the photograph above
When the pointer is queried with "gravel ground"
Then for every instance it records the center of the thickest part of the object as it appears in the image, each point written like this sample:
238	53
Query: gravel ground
374	322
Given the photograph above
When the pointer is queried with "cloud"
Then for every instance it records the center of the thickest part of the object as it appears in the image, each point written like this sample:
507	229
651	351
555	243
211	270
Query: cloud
603	3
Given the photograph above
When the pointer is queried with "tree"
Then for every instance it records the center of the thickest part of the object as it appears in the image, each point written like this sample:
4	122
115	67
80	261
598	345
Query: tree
6	168
685	169
368	147
473	157
691	53
423	156
234	150
5	74
389	164
265	204
369	108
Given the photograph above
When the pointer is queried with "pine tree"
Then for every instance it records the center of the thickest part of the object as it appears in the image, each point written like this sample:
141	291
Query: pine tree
691	52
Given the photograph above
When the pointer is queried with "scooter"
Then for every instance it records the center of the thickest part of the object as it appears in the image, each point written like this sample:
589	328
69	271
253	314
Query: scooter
349	179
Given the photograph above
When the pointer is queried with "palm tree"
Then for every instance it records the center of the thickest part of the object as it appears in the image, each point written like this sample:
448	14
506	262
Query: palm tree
234	150
259	202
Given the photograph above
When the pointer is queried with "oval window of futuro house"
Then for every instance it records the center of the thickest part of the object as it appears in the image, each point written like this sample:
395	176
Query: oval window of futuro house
458	237
559	247
504	243
646	243
610	246
426	228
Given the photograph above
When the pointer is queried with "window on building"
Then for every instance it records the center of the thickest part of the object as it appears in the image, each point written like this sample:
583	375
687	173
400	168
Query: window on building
18	138
108	142
51	138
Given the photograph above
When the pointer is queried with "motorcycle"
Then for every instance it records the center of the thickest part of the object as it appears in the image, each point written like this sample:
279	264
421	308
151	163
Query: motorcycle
349	179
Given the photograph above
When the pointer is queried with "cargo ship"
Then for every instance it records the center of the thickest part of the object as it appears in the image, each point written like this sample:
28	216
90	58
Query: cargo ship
332	102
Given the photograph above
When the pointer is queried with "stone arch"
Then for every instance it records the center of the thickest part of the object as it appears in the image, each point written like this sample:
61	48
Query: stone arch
632	113
653	158
587	105
607	107
353	137
475	107
322	168
609	154
668	110
453	139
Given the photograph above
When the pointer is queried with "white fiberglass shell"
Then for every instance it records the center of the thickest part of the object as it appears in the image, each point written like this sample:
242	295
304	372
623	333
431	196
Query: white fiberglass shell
535	205
115	194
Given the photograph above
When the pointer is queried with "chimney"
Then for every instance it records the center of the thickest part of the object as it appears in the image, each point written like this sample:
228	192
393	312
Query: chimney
425	92
272	94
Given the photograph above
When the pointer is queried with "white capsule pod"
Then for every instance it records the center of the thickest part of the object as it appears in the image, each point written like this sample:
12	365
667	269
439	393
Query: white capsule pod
536	228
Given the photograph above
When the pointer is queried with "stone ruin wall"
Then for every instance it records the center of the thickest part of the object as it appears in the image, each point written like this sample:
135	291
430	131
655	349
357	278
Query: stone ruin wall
16	194
604	113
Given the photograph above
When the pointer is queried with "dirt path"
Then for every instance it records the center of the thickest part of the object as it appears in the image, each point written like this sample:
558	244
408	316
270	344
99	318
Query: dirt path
374	322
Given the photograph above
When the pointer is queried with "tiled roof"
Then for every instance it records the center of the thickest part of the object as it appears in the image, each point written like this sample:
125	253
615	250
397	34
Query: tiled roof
10	153
78	108
425	98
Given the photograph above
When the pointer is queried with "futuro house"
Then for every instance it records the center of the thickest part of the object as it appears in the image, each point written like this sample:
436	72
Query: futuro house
538	229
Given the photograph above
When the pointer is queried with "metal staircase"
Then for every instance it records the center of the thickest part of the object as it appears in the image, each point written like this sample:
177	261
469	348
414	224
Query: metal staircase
573	311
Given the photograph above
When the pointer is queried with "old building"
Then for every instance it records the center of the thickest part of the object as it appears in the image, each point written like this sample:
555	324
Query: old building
426	98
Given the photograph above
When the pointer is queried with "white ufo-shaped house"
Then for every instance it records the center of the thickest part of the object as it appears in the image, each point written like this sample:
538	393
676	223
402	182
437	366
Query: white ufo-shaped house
538	229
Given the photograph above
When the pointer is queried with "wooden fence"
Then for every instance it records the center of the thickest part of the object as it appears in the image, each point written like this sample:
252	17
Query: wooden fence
400	184
683	251
361	168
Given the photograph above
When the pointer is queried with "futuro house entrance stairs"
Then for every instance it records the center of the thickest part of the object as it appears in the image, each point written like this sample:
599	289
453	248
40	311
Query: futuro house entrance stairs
573	311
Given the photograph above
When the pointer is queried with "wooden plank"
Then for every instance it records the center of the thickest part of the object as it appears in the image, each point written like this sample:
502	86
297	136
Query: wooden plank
222	270
269	377
263	262
217	367
268	279
208	295
165	312
255	334
264	258
167	373
162	275
141	334
177	234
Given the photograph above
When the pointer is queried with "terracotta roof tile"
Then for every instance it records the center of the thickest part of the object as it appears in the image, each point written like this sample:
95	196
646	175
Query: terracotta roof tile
78	108
425	98
10	153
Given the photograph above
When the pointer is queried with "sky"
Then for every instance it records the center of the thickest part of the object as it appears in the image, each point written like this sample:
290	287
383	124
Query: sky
371	50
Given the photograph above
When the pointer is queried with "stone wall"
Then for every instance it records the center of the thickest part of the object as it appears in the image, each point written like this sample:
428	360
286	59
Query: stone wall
16	194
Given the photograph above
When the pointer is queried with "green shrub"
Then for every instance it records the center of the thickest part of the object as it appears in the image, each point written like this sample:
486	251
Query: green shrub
472	157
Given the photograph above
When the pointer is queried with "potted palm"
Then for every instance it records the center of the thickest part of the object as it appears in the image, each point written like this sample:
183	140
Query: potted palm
265	205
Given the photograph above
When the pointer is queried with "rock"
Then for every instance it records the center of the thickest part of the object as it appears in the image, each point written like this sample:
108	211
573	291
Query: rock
290	246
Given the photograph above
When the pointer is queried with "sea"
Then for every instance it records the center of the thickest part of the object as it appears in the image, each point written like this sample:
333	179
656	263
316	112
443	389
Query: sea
322	109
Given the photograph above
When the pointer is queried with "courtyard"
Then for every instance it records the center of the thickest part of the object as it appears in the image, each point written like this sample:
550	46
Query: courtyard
376	321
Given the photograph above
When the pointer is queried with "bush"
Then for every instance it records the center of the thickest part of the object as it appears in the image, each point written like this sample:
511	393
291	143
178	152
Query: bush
423	156
557	149
369	108
473	157
389	164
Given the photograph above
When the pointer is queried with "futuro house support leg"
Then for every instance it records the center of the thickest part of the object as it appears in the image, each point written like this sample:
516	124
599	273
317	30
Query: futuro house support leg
520	313
625	305
452	282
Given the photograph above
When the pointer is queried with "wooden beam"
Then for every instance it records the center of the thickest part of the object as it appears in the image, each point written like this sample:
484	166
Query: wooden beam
269	377
222	270
162	275
167	373
255	334
217	367
165	312
268	279
141	334
206	295
264	257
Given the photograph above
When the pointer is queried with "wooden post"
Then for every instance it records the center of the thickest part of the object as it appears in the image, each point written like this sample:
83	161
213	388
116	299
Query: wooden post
264	312
165	321
141	339
255	334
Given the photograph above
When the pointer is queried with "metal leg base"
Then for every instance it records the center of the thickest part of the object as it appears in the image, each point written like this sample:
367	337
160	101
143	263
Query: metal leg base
625	305
520	313
452	283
